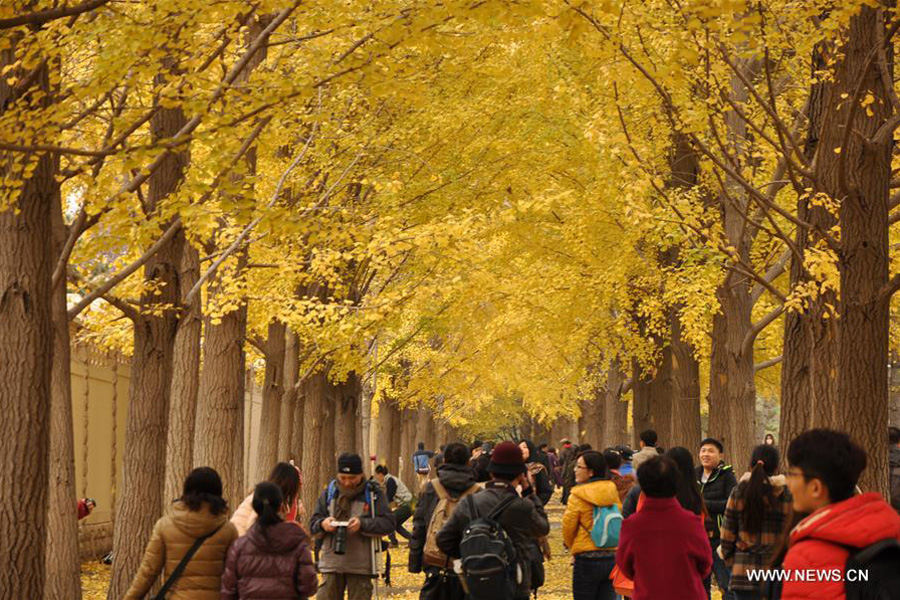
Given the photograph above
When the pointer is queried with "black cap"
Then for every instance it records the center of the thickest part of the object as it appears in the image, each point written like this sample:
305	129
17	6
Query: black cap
350	464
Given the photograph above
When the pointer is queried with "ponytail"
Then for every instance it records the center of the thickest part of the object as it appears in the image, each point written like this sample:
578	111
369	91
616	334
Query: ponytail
758	493
267	501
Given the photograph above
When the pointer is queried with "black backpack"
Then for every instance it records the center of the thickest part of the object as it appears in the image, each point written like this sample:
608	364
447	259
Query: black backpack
489	564
875	571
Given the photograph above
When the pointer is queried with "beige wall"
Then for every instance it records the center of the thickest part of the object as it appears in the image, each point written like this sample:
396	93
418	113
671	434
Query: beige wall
99	408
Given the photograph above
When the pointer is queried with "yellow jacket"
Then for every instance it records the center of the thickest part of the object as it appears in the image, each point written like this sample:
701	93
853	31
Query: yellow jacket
172	537
579	516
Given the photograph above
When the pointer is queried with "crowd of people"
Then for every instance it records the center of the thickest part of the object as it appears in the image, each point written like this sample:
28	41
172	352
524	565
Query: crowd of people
648	525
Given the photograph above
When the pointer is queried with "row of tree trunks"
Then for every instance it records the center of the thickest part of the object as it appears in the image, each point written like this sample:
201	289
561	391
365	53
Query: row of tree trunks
155	329
26	353
185	382
273	390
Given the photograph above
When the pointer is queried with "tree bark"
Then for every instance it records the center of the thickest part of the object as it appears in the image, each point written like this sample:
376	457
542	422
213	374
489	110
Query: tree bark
220	405
685	389
62	562
144	461
267	454
185	383
408	422
732	388
313	427
615	410
425	428
859	177
593	411
809	370
894	394
26	342
289	397
346	399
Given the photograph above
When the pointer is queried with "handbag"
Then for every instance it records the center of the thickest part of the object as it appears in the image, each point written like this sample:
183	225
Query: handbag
179	569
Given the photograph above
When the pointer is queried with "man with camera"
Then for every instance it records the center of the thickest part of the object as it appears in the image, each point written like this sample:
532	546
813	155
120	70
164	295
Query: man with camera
351	516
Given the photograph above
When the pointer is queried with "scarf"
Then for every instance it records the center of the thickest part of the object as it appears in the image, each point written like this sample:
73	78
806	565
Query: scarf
345	498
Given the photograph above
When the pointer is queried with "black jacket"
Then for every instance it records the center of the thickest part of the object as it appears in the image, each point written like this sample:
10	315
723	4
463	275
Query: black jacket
456	479
542	485
524	521
715	492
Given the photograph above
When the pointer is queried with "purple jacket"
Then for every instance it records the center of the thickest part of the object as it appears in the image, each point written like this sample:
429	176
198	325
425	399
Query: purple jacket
272	564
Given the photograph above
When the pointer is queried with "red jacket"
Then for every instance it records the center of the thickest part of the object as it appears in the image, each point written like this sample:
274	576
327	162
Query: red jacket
857	522
664	549
271	565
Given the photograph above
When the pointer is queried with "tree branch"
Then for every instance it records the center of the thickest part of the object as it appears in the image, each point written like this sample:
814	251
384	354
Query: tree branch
128	270
767	363
45	16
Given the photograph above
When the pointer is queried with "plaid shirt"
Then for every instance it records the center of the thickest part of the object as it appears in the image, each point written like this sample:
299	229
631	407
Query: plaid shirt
742	550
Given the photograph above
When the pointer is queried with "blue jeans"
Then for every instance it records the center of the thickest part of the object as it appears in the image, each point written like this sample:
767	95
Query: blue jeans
720	571
590	578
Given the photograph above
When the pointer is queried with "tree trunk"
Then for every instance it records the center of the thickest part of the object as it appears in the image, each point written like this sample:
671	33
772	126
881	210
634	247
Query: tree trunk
220	405
732	387
592	409
185	383
313	428
424	428
808	371
289	397
328	445
661	394
894	382
297	442
62	562
267	454
615	410
144	461
640	409
685	389
859	178
388	432
345	397
26	343
408	422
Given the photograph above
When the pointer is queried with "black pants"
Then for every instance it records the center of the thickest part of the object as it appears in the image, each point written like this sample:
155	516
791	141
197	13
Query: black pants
590	578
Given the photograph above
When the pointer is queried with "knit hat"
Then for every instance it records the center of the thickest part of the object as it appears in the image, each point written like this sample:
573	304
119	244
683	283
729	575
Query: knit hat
350	464
506	459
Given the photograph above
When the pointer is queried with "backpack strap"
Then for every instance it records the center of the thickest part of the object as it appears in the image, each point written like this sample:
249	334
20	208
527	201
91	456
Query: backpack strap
473	509
440	490
472	490
494	514
178	571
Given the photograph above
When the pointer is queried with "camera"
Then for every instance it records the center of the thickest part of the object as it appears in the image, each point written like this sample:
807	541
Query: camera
340	537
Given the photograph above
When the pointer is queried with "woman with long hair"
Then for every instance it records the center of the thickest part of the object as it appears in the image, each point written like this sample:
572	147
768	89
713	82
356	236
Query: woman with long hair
538	476
273	560
688	494
593	564
199	517
287	477
755	517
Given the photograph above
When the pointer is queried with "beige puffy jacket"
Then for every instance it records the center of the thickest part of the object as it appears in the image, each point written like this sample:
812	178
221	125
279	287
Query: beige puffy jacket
173	535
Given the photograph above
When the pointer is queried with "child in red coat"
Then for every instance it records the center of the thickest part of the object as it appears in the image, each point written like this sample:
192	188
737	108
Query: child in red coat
663	547
824	468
